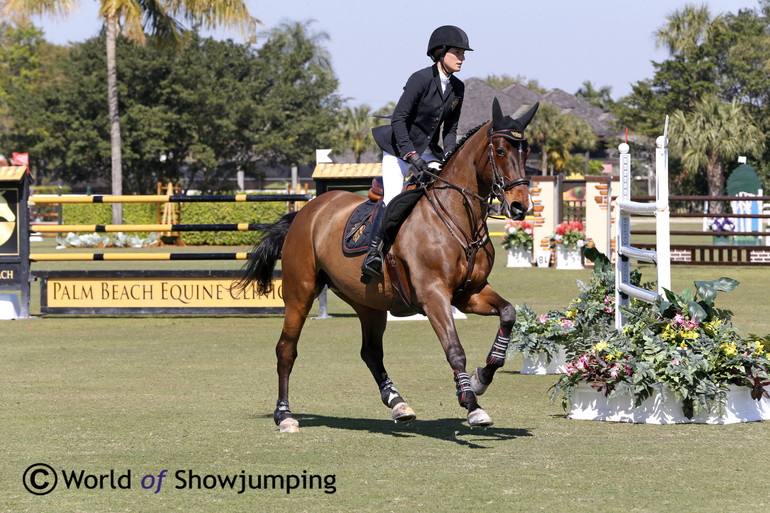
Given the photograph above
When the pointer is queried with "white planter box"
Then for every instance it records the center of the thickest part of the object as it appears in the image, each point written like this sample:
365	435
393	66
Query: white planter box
519	257
539	365
568	258
663	408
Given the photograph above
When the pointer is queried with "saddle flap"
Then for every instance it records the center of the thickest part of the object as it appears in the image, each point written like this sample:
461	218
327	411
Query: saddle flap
398	210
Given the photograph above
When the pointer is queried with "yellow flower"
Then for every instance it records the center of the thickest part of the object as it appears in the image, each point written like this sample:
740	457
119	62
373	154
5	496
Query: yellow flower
759	347
729	348
571	314
600	346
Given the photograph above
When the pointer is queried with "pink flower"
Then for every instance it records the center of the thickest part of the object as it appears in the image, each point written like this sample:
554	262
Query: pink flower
614	371
543	319
571	369
580	365
674	362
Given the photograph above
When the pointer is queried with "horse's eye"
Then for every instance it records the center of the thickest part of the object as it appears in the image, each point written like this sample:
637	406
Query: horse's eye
500	152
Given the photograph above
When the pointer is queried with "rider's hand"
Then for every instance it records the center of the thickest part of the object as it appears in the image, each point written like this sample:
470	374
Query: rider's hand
417	162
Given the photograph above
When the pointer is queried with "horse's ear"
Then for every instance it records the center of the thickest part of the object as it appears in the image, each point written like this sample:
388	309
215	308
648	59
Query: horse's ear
497	115
527	116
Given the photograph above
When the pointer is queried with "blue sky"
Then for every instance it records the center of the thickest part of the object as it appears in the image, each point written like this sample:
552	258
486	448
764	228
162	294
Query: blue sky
375	46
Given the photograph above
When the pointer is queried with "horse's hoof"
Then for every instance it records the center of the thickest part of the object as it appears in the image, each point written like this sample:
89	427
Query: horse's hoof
479	418
289	425
476	384
402	412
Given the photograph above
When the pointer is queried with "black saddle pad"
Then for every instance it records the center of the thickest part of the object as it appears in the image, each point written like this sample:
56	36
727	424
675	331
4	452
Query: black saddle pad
355	238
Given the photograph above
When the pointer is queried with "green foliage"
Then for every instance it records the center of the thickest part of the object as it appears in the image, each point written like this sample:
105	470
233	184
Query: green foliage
197	116
191	213
539	334
518	234
682	342
213	213
50	189
101	213
505	80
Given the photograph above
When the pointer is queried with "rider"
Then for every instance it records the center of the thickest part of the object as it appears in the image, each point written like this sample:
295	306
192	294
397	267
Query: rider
432	96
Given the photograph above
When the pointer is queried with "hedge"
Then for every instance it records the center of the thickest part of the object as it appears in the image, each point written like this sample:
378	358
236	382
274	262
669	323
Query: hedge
192	213
212	213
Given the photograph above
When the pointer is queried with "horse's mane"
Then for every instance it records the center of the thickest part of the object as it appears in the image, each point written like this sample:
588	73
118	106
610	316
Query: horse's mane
467	136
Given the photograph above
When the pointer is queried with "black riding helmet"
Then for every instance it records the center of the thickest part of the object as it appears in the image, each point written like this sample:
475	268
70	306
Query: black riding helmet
445	37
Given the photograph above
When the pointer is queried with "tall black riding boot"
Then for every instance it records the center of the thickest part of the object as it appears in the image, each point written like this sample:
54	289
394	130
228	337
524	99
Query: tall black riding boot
372	265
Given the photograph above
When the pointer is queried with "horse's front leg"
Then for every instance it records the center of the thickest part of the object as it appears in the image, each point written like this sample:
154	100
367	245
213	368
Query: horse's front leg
489	302
439	312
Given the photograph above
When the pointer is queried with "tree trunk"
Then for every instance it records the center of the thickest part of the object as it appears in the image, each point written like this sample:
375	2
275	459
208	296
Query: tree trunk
112	94
544	162
716	182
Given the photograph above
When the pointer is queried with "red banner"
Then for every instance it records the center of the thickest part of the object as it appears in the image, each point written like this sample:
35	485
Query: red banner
20	159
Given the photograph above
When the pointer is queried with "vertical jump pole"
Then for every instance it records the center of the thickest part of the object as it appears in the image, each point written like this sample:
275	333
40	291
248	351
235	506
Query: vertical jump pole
322	156
661	257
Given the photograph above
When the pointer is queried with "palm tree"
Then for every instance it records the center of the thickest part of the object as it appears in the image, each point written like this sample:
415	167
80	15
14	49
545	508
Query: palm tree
712	133
686	30
357	124
600	98
132	17
557	134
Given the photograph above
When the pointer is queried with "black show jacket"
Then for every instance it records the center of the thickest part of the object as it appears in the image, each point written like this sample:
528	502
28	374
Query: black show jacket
422	109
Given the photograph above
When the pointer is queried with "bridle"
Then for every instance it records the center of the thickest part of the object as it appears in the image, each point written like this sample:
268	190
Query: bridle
472	243
499	186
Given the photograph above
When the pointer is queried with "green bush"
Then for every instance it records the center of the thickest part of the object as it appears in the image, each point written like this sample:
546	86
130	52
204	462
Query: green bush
215	213
191	213
101	213
50	189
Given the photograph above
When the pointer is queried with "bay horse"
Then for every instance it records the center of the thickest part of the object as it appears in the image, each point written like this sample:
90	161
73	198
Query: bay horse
450	219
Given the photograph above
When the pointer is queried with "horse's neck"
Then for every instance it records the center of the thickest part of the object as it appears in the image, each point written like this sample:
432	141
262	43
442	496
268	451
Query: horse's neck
461	171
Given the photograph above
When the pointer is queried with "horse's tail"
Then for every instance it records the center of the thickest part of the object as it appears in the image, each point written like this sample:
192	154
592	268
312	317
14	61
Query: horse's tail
263	257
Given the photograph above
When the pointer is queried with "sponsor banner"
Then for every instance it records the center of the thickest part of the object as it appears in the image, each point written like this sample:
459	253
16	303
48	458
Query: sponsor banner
9	227
154	292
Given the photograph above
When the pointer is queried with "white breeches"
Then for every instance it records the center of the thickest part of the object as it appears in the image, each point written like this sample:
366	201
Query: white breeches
394	173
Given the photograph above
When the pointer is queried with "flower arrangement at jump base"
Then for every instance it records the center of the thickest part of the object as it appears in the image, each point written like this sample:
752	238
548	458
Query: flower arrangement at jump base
570	235
541	339
518	234
721	224
682	344
517	239
568	241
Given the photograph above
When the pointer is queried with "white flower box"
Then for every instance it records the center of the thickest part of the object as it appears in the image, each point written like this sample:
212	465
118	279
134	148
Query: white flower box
538	364
519	257
663	408
568	258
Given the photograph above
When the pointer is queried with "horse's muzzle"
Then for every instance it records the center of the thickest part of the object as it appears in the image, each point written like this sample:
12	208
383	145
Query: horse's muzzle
515	210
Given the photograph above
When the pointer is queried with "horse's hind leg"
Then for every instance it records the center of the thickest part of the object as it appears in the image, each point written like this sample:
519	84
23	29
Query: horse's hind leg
298	300
489	302
372	328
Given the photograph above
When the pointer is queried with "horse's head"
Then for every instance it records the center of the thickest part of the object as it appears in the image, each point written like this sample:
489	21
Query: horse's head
508	152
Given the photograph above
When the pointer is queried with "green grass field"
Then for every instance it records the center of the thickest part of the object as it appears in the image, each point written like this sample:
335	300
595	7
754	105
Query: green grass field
195	394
